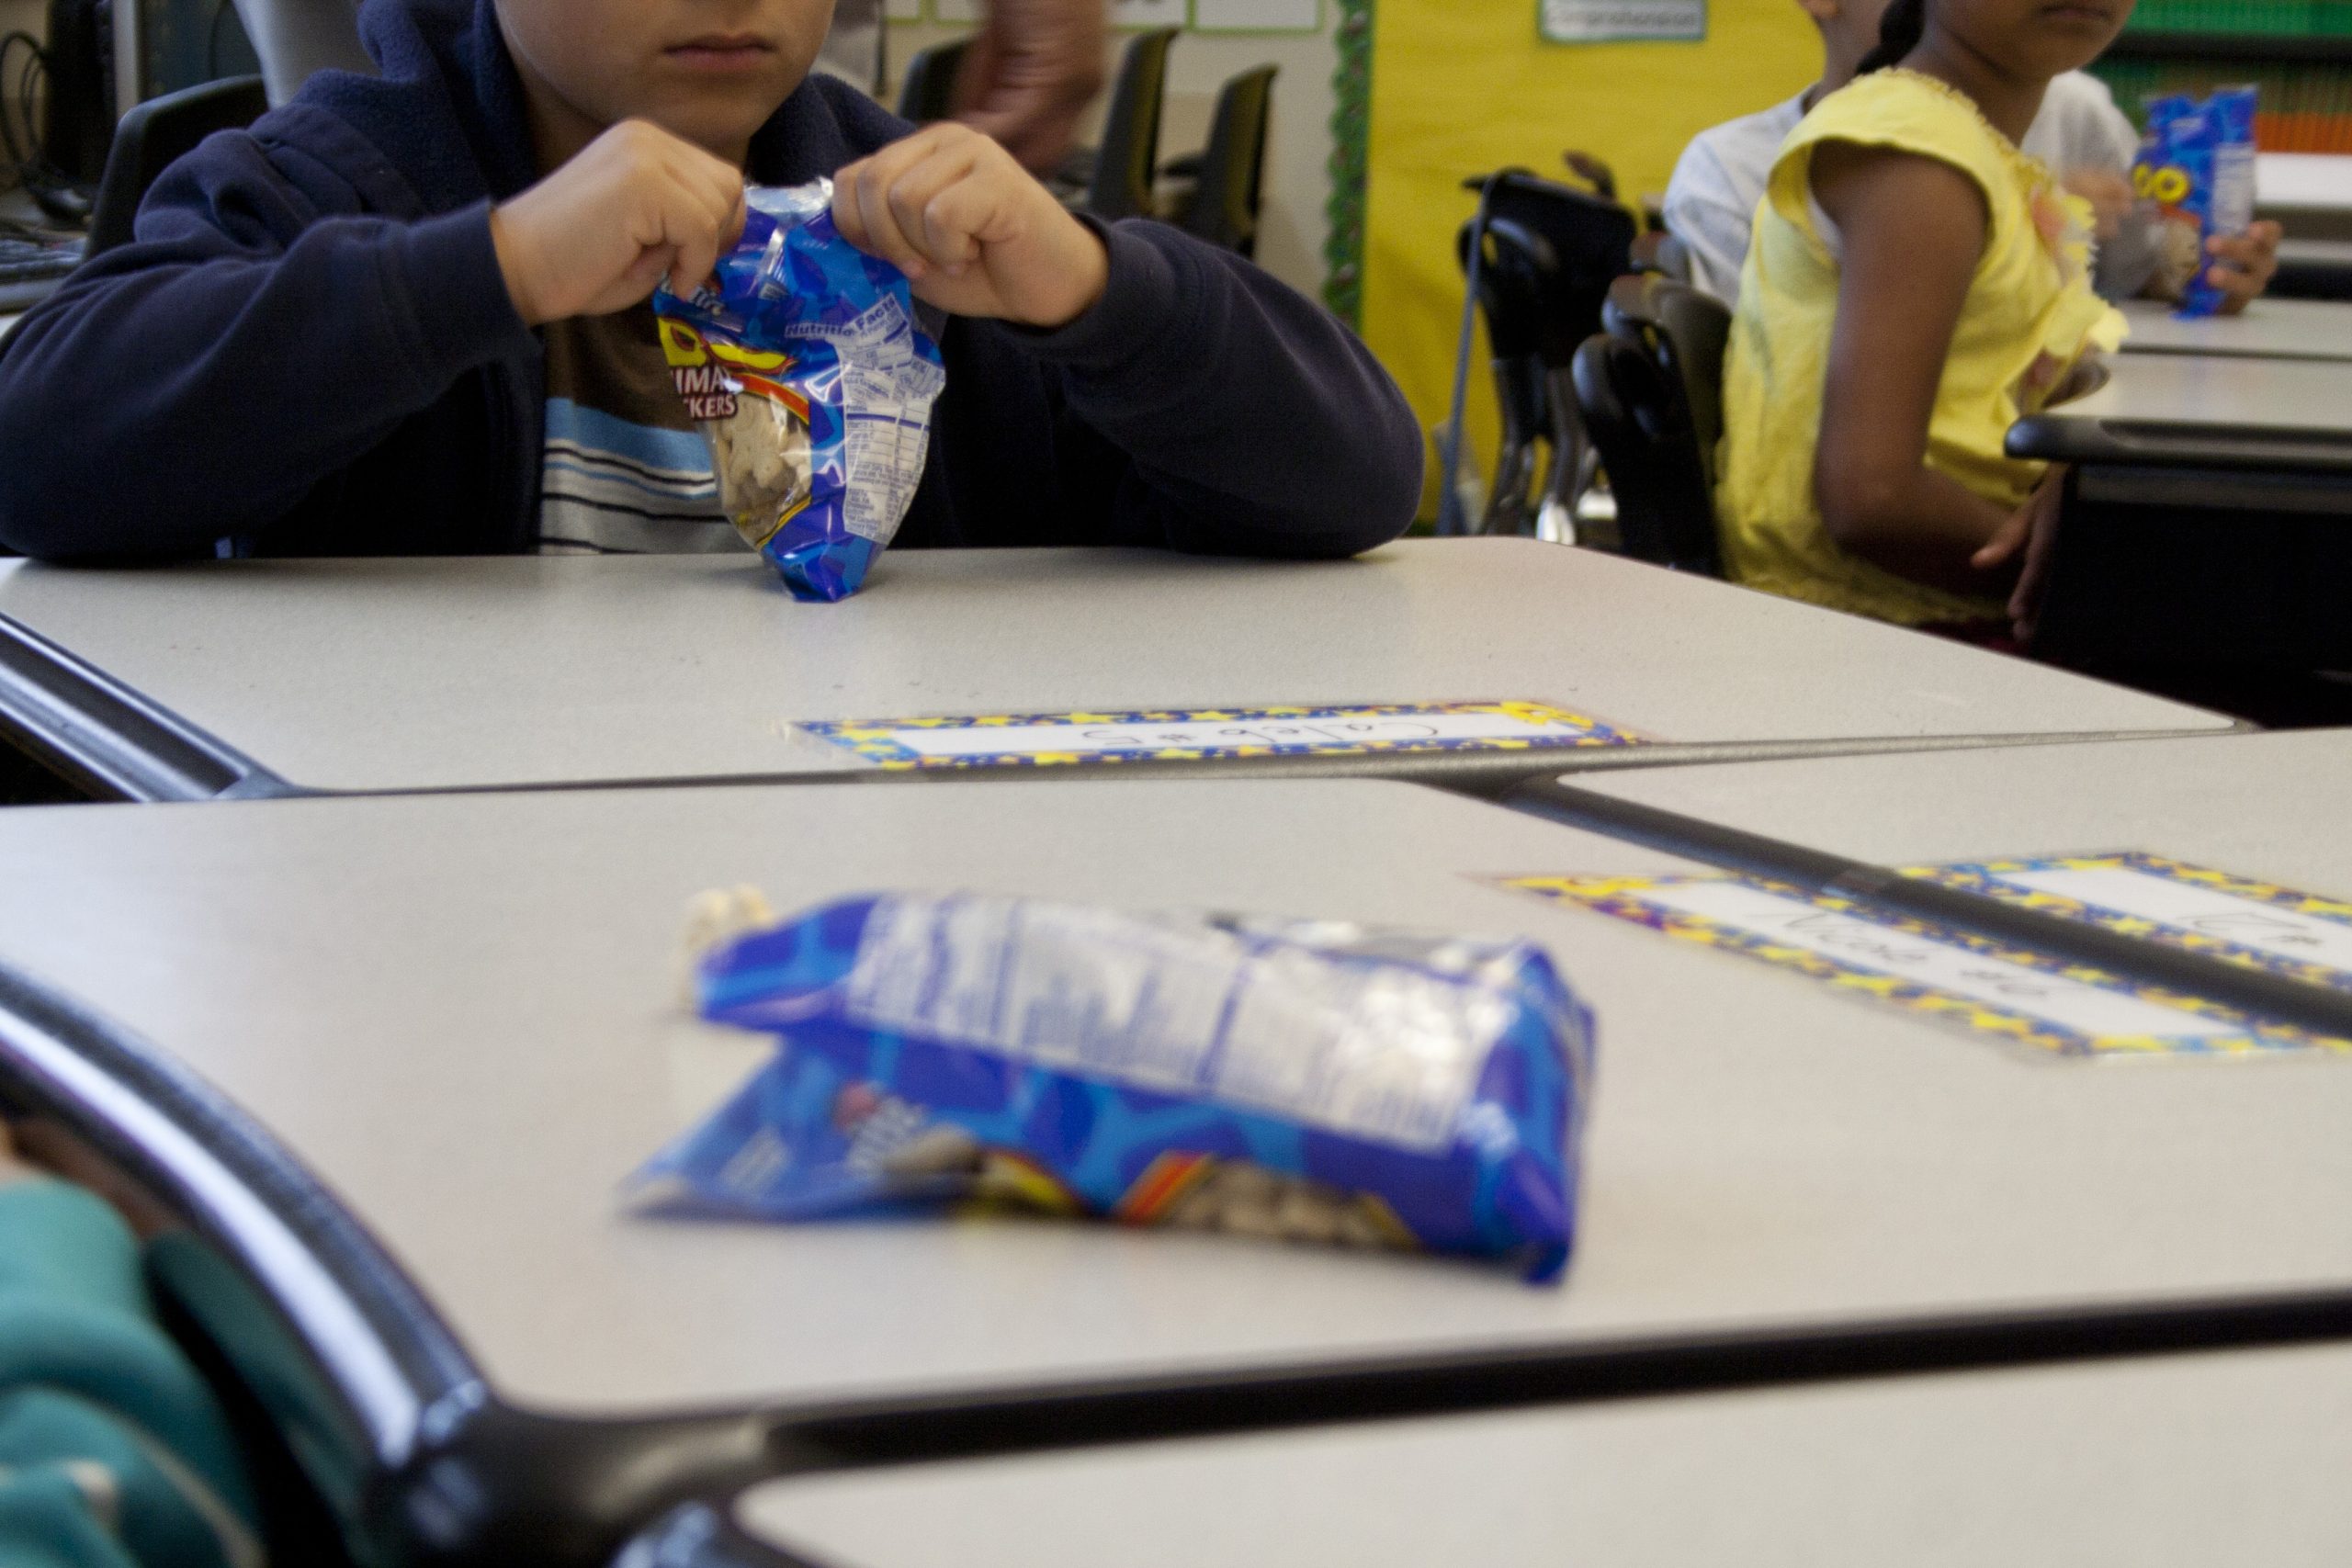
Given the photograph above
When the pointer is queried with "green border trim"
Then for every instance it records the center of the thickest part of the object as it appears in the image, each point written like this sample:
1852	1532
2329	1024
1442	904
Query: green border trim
1343	210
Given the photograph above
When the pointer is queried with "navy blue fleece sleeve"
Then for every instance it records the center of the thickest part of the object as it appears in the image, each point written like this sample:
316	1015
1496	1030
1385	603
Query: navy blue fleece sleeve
197	383
1256	423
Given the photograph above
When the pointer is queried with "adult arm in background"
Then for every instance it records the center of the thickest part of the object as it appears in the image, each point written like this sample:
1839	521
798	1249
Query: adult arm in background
1912	230
1031	71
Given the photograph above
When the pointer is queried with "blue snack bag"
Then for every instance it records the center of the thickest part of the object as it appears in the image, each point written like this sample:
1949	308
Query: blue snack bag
2196	166
804	366
1313	1080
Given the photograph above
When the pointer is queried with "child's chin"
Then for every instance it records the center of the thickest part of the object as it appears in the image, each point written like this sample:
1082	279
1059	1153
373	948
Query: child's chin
715	115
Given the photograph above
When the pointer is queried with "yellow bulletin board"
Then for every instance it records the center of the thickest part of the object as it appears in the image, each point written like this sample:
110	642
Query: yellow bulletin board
1459	87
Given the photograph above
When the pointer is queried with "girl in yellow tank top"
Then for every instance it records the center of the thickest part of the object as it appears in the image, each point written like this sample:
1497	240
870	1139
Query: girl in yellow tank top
1915	285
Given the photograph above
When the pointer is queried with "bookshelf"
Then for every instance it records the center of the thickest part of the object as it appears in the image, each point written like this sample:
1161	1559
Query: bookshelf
2298	53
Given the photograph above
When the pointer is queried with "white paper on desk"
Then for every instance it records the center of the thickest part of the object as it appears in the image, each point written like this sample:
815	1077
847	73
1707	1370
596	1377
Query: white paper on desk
1946	967
2203	911
1215	735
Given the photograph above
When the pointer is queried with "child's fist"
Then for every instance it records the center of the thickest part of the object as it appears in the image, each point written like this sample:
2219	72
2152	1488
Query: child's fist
971	229
636	205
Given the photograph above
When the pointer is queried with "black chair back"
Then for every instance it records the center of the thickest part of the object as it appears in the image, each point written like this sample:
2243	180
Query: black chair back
1512	277
1126	163
1685	331
1224	208
1591	242
929	92
1661	252
156	134
1570	244
1636	416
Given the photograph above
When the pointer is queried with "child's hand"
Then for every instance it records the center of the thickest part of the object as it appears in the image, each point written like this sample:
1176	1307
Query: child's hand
970	229
2243	264
2111	196
2032	528
636	205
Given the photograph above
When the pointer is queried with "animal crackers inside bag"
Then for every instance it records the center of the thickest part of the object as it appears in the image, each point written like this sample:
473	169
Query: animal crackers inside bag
804	366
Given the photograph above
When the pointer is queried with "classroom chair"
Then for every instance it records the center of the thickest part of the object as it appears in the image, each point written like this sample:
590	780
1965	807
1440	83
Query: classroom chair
1120	184
1661	252
1641	425
1569	244
1511	283
929	92
154	135
1221	206
1684	332
294	38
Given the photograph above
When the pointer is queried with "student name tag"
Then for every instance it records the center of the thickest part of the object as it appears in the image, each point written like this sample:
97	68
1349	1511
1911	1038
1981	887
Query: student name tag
2013	993
1199	734
2260	924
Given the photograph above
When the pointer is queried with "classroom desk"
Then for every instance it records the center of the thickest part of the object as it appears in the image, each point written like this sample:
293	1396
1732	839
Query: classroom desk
2268	329
2309	193
2173	1463
2205	517
2313	269
271	677
2265	807
2203	411
460	1015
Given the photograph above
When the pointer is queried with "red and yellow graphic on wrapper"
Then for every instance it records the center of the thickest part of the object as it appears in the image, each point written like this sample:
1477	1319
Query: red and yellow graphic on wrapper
757	425
1164	735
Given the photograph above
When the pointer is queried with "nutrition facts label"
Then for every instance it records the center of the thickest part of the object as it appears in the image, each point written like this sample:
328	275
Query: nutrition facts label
1386	1054
886	392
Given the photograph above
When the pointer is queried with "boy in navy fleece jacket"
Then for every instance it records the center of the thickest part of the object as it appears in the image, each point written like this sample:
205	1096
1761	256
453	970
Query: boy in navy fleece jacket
408	315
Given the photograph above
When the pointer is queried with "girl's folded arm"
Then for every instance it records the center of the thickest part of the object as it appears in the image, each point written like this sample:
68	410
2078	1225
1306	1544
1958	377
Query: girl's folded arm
1910	231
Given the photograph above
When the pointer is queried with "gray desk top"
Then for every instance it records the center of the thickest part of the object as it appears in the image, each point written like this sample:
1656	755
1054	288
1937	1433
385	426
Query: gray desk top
2216	391
461	1013
2268	806
2214	1459
394	674
2204	411
2314	181
2268	329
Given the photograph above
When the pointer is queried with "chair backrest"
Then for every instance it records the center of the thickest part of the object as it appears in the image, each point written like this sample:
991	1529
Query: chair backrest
294	38
1661	252
1684	331
1126	163
1512	281
1224	209
1665	511
156	134
1591	244
929	92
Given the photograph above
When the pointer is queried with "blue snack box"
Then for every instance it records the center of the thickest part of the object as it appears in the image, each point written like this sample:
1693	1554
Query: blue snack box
1315	1080
2196	166
807	371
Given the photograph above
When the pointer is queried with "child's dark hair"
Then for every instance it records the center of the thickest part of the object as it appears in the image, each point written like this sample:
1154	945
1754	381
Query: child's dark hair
1898	34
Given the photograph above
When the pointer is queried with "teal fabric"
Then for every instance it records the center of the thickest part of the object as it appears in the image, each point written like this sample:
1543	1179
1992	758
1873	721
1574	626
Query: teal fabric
46	1522
88	1379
